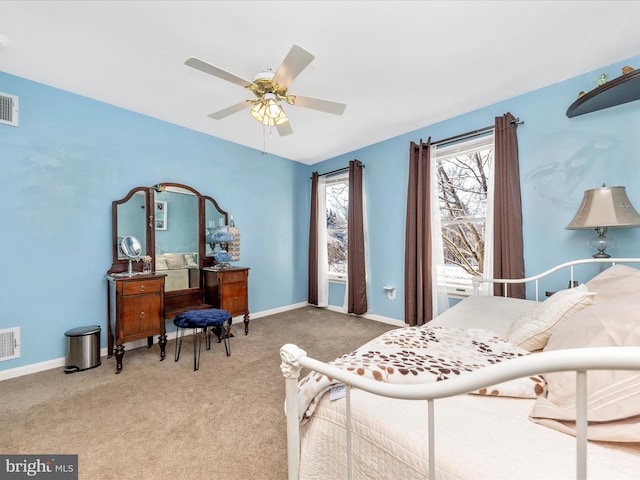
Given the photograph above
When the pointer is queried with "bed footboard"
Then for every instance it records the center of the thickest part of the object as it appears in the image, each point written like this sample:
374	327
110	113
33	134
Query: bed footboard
579	360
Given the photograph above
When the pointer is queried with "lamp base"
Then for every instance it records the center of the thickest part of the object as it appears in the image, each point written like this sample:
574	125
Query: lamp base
601	243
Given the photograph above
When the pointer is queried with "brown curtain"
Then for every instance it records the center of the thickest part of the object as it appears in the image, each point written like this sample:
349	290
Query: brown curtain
356	264
313	242
418	291
507	240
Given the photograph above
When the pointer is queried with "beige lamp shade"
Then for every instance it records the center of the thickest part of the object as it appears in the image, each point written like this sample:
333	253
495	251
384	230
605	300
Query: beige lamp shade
605	207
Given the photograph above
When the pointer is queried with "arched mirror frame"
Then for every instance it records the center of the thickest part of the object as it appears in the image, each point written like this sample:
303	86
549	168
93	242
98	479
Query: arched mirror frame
120	263
177	300
209	261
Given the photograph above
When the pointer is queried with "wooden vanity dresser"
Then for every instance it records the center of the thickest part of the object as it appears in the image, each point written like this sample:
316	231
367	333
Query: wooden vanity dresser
136	311
226	289
140	302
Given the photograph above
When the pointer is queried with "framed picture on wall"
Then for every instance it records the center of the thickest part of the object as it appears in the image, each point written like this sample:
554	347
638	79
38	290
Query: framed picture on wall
160	215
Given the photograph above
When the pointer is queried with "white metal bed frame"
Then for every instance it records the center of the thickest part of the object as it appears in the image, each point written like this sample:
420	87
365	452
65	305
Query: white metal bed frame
578	360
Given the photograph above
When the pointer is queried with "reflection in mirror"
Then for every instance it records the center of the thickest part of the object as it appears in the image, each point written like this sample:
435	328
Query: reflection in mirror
131	220
214	217
176	223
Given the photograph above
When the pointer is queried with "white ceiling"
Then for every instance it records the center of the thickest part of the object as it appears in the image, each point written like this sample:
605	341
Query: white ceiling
398	65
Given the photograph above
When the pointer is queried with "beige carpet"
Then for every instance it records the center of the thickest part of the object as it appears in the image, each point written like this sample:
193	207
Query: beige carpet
161	420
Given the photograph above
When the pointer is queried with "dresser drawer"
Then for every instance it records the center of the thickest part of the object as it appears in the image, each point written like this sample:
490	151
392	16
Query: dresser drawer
234	297
137	287
232	277
142	316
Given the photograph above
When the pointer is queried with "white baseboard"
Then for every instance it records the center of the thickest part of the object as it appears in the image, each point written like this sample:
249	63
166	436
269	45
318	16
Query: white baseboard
370	316
60	362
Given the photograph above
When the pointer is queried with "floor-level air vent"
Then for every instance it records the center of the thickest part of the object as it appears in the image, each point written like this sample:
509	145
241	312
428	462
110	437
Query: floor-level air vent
8	109
9	343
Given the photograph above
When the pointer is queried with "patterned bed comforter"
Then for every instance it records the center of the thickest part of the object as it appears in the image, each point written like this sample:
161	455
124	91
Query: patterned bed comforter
416	355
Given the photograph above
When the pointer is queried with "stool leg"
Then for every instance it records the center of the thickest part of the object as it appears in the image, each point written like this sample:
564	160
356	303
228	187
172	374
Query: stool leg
196	349
179	335
227	338
208	333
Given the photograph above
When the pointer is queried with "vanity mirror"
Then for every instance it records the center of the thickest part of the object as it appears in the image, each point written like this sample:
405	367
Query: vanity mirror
171	221
177	245
130	217
132	250
168	223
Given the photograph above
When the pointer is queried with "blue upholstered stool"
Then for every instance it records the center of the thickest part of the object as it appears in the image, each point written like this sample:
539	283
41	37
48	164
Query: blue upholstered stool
206	320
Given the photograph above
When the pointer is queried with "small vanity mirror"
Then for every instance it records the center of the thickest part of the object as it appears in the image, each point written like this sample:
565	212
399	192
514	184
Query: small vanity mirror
131	248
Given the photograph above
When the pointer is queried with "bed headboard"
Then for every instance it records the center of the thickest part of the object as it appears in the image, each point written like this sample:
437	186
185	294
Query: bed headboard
570	266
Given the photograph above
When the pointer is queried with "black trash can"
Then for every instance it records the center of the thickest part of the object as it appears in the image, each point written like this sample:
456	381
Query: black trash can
83	348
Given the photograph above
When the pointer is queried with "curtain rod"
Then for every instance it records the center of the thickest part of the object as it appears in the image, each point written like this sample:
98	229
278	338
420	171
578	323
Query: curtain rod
473	133
338	170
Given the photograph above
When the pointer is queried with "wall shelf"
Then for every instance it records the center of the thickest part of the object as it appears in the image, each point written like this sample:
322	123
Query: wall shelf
625	88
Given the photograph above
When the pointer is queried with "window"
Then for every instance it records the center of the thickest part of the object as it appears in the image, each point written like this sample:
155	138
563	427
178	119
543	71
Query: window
463	173
337	207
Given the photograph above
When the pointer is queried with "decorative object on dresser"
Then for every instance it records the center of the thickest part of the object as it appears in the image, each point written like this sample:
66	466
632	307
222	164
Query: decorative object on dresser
132	249
227	288
139	302
219	239
601	209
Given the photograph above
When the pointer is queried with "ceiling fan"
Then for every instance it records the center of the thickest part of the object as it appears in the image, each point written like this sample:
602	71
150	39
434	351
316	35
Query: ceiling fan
270	89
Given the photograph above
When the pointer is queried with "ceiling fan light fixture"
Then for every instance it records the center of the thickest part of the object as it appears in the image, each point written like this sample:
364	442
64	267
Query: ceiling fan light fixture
274	110
270	90
281	119
268	111
258	111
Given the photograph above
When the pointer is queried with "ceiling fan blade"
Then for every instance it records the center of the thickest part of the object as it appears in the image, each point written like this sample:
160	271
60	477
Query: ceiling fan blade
225	112
216	72
284	129
322	105
295	62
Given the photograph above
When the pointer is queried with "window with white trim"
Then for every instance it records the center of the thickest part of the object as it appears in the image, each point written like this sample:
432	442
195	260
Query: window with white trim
463	172
337	208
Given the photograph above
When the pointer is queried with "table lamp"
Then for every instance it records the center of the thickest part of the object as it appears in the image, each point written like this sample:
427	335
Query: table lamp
603	208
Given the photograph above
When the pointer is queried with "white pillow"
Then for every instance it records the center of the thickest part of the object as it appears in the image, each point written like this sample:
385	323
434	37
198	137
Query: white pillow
161	263
613	396
532	331
190	260
174	261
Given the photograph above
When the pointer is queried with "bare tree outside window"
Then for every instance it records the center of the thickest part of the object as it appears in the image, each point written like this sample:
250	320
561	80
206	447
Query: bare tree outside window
462	196
337	201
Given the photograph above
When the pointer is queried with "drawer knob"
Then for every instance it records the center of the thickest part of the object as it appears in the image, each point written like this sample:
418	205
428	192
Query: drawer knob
141	315
142	288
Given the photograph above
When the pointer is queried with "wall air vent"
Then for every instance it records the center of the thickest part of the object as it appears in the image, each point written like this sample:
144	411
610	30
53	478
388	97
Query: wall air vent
8	109
9	343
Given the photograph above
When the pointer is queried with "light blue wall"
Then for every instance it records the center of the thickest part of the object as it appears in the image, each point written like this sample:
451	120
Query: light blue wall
69	159
560	158
72	156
